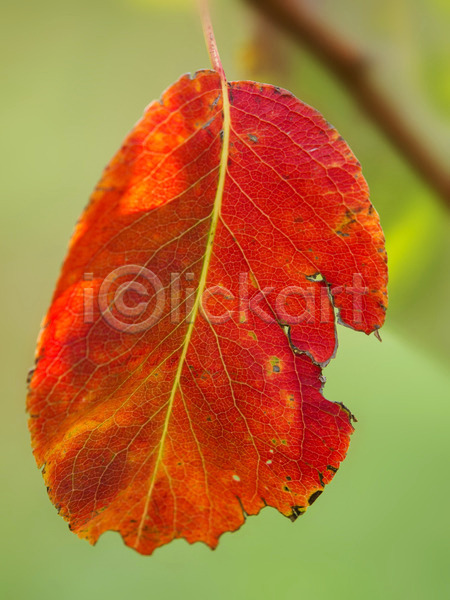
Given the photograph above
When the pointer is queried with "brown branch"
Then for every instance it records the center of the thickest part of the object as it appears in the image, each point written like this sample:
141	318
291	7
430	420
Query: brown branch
350	66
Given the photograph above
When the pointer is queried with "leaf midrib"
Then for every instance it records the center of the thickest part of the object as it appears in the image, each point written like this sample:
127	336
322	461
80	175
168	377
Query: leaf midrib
215	215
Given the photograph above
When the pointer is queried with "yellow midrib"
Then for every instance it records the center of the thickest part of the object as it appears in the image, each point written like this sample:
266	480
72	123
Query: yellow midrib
201	287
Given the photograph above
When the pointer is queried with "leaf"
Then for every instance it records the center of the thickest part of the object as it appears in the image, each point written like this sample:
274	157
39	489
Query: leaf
178	379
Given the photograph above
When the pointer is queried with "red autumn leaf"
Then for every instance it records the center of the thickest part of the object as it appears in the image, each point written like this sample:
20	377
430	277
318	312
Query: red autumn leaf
178	378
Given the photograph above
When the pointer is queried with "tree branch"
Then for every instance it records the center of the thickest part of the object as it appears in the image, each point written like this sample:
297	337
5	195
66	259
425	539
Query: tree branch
350	66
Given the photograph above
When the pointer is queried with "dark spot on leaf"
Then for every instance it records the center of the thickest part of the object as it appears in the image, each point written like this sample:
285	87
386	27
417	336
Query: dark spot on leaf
331	468
286	489
350	414
314	497
276	369
30	375
253	138
208	123
297	511
244	512
288	478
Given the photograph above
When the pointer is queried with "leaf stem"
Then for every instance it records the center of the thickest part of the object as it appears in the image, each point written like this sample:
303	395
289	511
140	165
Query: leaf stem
210	39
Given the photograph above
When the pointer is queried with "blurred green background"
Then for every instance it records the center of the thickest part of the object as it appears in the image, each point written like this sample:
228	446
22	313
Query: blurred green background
75	77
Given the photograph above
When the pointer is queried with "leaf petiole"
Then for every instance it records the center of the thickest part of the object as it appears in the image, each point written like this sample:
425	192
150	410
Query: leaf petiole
210	39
